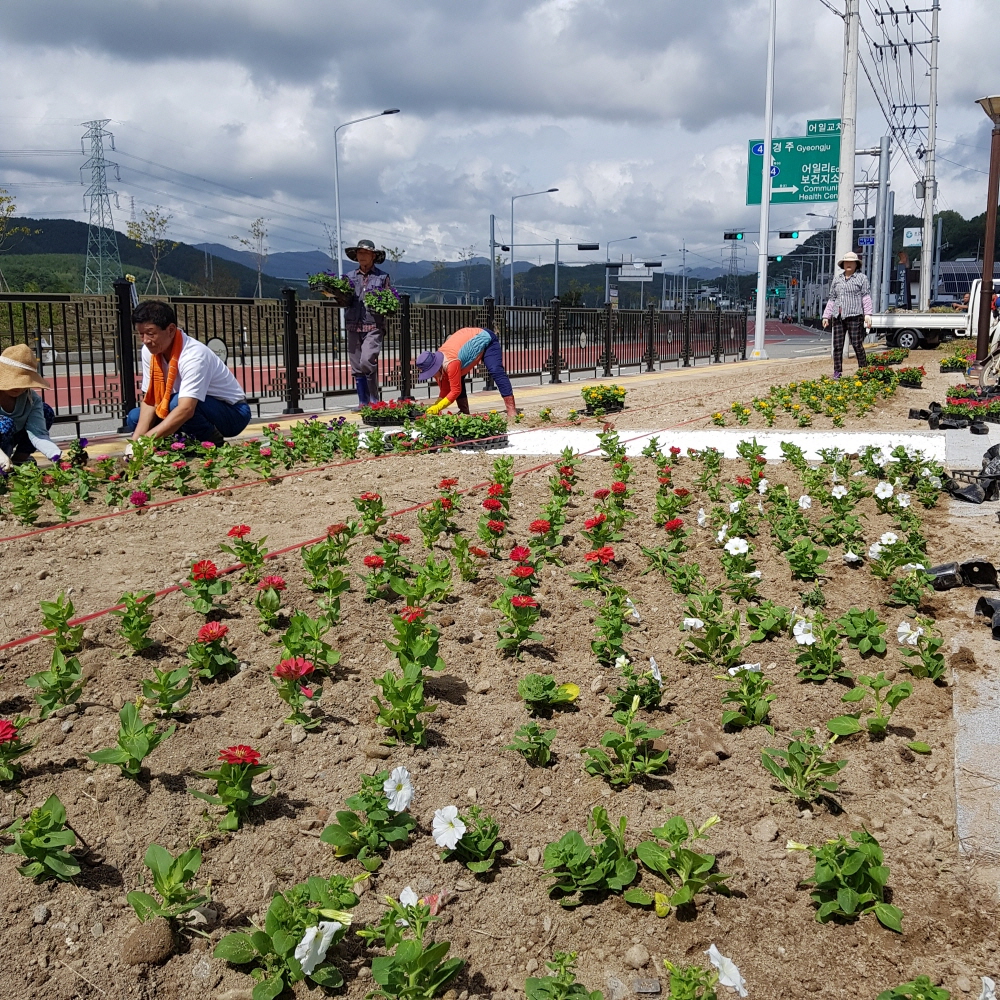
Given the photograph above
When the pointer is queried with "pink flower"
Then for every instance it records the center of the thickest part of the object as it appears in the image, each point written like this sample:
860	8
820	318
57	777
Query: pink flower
177	446
294	668
208	445
8	731
179	464
138	498
212	632
266	452
272	583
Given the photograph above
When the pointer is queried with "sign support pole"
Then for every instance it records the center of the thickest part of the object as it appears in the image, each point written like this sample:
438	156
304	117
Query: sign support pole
759	354
848	136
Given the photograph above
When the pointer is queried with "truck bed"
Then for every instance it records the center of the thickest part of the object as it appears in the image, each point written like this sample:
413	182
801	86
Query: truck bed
905	320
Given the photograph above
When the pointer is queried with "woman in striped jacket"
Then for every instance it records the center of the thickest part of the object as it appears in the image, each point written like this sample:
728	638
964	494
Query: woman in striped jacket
850	308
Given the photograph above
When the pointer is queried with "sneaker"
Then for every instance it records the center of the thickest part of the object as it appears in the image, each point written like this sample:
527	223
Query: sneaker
836	374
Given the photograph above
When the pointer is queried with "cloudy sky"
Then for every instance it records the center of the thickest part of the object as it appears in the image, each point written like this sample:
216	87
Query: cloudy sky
224	110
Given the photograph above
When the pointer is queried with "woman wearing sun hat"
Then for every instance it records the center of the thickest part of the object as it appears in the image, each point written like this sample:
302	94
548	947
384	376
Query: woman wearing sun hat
24	419
365	328
850	307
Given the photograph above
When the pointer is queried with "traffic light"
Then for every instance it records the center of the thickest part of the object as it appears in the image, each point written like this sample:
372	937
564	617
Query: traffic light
588	246
788	234
732	236
777	259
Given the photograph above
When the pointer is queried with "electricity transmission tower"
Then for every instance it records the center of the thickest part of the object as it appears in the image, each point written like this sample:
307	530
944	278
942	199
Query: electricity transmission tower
733	277
103	261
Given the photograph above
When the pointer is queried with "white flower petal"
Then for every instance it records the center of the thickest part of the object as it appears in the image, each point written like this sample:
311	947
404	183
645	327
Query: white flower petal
447	828
315	943
989	989
851	557
838	492
884	490
803	632
399	789
408	897
721	536
762	486
621	662
903	499
889	538
692	624
805	502
702	517
729	974
734	507
737	546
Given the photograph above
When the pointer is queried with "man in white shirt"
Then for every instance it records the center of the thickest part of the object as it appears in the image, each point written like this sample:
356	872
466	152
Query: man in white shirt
185	387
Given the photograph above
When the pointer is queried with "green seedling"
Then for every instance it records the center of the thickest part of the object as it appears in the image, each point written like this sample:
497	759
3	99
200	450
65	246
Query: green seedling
404	705
479	847
136	619
863	632
542	695
533	743
751	695
167	688
42	839
692	982
60	685
56	616
170	878
625	756
886	698
921	988
135	742
801	769
562	985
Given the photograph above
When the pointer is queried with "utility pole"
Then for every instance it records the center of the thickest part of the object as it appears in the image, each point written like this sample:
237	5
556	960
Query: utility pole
758	352
936	277
555	275
890	229
493	257
104	264
684	275
848	132
878	267
930	184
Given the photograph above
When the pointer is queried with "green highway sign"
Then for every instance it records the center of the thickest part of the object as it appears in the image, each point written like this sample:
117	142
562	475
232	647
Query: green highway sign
823	126
804	169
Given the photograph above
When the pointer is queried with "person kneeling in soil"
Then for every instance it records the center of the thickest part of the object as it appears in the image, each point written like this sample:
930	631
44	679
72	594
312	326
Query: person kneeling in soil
24	419
456	357
185	387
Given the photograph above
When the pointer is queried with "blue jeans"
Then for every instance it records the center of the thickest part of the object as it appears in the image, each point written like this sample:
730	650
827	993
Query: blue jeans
211	416
17	442
493	360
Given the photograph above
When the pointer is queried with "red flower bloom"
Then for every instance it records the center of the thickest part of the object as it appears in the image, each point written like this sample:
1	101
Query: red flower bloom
294	668
333	530
240	754
272	583
760	460
603	555
447	503
520	553
273	427
446	484
675	450
681	492
524	601
307	692
497	527
65	466
399	539
212	632
565	470
369	496
593	522
478	552
179	464
239	531
665	480
618	489
522	572
412	615
566	485
742	480
496	490
674	525
601	494
138	498
204	570
490	504
8	731
48	480
539	527
374	562
266	452
114	477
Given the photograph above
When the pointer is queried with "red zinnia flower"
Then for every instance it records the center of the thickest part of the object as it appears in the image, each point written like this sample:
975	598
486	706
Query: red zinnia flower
665	480
8	731
374	562
601	494
539	527
48	480
335	529
520	553
399	539
524	601
743	480
603	555
760	460
496	526
446	503
294	668
618	488
674	525
273	427
212	632
522	572
490	504
675	450
204	570
240	754
593	522
412	615
496	490
239	531
566	485
272	583
478	552
114	477
446	484
138	498
369	496
681	492
179	464
565	470
65	466
266	452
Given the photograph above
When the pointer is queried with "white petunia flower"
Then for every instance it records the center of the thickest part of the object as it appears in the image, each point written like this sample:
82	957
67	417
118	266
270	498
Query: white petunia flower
935	481
838	492
448	828
399	788
851	557
905	633
744	668
315	943
883	490
655	671
903	499
734	507
910	567
755	575
880	458
721	536
889	538
621	662
805	502
692	624
737	547
989	989
860	472
803	632
633	608
762	487
702	517
874	550
408	897
729	974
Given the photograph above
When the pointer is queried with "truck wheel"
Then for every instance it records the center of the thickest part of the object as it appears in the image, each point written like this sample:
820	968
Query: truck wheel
909	339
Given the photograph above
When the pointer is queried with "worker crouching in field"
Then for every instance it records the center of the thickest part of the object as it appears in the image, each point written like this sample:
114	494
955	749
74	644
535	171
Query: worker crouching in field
457	356
24	419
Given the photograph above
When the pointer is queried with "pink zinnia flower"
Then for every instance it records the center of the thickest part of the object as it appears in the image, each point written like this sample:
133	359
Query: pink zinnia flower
212	632
138	498
272	583
8	731
399	539
294	668
266	452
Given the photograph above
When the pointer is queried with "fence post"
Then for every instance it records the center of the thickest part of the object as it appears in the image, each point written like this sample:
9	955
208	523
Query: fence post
608	316
687	337
743	351
405	348
489	321
125	348
291	350
555	342
717	345
651	325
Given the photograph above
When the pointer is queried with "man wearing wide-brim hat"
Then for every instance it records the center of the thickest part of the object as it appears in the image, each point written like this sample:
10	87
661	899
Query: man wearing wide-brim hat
24	419
850	308
365	328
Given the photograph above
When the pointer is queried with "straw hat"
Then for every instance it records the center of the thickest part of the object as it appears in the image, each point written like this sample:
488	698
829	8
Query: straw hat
849	256
352	252
19	369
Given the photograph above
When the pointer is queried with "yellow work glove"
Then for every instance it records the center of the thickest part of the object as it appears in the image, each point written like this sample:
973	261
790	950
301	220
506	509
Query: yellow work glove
437	407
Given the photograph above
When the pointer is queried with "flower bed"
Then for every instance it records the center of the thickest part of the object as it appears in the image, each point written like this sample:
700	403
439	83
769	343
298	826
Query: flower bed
393	412
893	356
448	428
602	399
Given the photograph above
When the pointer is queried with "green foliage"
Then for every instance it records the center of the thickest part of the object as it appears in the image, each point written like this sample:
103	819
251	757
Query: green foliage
921	988
431	584
863	631
692	982
623	757
611	625
800	768
170	878
26	495
167	688
909	589
533	743
14	747
381	828
926	659
42	839
135	742
768	621
480	845
578	870
646	686
60	685
416	642
404	704
212	661
561	986
717	642
234	791
886	698
541	694
136	619
56	616
805	558
821	660
750	695
304	637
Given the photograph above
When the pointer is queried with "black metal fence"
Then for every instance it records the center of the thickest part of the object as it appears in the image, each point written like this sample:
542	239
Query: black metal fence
288	350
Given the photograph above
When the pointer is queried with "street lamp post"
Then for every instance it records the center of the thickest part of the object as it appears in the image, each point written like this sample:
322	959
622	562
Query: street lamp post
607	262
336	178
513	198
991	105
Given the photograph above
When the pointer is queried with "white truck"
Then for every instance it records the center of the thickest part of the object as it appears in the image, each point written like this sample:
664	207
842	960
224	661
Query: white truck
905	328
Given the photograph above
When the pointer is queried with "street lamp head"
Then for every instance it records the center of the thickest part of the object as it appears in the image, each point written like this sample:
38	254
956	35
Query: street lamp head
551	190
391	111
991	105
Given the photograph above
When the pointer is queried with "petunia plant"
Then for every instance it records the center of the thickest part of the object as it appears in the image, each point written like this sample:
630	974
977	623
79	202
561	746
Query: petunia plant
562	984
471	838
625	756
533	743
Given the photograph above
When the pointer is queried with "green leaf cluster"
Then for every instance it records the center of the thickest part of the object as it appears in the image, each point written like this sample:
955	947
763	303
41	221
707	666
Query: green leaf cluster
800	768
886	698
921	988
623	757
135	741
750	695
42	839
404	705
56	615
863	631
170	878
561	986
533	743
480	845
542	695
60	685
136	619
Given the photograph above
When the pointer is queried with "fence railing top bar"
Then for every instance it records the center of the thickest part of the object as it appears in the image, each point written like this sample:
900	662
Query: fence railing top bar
200	300
43	297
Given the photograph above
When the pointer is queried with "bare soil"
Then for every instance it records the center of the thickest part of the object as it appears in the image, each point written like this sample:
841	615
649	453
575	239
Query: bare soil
503	922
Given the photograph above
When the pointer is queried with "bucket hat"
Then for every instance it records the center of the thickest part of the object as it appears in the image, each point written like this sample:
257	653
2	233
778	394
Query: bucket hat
352	252
19	369
429	364
850	255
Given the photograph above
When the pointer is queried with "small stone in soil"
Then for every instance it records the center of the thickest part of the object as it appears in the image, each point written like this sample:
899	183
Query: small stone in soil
646	985
637	956
765	831
534	856
472	795
299	734
373	750
617	990
531	966
149	943
40	914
